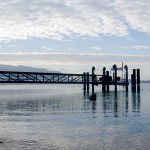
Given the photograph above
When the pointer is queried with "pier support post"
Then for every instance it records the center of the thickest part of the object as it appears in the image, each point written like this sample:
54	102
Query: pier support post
87	80
93	79
107	74
138	80
126	77
115	76
84	82
103	80
133	82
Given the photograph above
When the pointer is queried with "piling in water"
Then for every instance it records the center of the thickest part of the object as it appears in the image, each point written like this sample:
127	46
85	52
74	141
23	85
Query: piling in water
126	77
107	74
133	80
87	80
93	79
84	82
138	79
115	76
103	81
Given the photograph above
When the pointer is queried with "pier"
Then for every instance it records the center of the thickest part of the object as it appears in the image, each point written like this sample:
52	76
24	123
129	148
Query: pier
105	79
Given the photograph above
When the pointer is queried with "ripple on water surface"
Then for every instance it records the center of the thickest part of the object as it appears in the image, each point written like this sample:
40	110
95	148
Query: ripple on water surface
36	118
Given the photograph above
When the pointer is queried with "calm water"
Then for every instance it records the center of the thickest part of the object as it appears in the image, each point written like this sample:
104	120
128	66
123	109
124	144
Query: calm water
51	117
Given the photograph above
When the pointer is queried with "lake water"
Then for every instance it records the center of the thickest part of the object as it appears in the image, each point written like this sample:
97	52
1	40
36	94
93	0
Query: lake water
51	117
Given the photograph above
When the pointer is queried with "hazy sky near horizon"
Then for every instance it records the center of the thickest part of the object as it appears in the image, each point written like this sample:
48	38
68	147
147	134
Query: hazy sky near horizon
74	35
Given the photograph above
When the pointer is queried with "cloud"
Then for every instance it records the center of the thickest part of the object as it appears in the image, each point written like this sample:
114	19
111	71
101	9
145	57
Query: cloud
96	48
12	45
47	49
77	62
58	19
140	47
135	13
72	58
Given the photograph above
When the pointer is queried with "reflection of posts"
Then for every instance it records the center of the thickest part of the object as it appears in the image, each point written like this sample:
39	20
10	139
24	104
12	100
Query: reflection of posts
93	106
136	100
110	104
115	105
104	104
127	103
133	102
86	95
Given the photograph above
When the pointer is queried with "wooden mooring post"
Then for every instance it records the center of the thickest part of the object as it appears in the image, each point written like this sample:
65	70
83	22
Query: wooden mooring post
87	81
107	74
126	77
93	79
138	80
115	76
135	80
103	80
84	82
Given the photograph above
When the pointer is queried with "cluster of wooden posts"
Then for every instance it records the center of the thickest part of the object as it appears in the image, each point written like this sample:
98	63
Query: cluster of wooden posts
135	80
106	79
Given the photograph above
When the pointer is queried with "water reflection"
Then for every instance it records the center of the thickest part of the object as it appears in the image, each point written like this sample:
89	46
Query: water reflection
89	105
117	104
112	104
86	95
35	105
93	106
136	100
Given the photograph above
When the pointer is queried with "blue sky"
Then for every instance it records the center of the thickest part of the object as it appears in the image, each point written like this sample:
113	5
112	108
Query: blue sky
74	35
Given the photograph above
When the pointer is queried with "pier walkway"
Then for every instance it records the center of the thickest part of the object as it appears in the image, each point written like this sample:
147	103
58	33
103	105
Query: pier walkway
52	78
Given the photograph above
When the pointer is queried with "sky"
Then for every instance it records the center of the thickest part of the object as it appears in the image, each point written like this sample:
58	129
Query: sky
71	36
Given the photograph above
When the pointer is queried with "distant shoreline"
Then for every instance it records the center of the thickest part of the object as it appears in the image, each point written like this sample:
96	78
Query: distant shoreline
145	81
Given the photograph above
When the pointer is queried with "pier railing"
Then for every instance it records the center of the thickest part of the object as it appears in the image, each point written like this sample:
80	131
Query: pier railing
38	77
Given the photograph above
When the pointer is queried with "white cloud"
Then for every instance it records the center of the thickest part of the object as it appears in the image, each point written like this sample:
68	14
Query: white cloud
96	48
22	19
135	13
47	49
12	45
72	58
78	63
140	47
57	19
135	47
